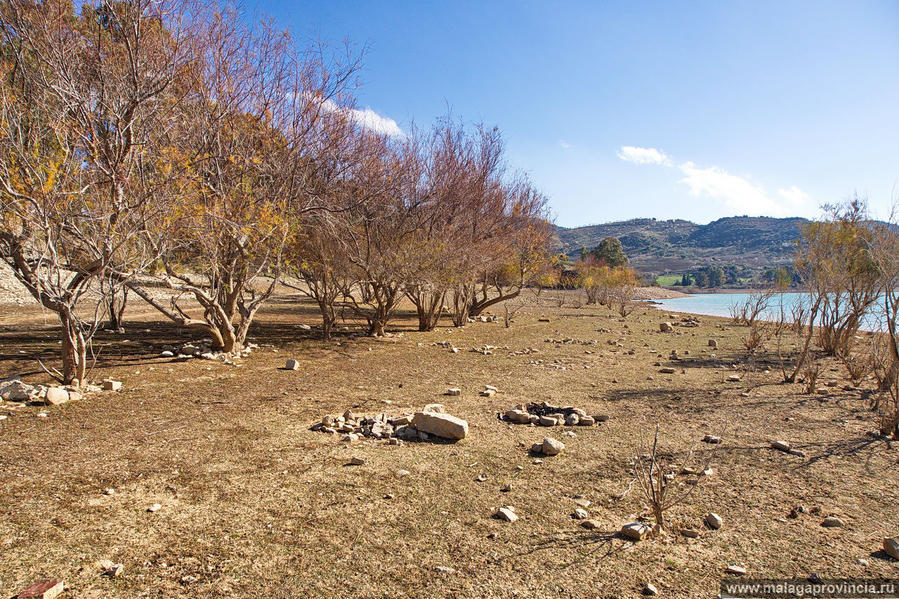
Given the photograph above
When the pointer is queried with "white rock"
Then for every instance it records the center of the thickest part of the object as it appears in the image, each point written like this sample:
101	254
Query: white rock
735	569
441	425
111	385
552	446
714	521
435	408
56	396
519	416
453	391
154	508
506	513
780	445
650	590
634	531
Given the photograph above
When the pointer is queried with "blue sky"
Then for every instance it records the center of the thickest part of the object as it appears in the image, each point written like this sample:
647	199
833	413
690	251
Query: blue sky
692	110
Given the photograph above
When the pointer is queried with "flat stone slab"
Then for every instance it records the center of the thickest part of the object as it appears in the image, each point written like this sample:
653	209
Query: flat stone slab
440	425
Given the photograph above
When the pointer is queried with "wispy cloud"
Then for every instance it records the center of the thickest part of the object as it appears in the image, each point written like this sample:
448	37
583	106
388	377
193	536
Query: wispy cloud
564	144
639	155
739	194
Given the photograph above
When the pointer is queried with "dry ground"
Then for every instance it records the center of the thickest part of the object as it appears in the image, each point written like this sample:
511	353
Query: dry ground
256	505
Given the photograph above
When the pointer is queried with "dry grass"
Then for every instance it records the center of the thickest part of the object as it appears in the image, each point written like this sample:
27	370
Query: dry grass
256	505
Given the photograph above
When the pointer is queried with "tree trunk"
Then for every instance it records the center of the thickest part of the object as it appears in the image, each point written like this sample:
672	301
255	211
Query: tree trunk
73	351
116	306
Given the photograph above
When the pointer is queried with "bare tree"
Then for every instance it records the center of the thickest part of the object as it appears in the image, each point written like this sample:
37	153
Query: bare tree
85	95
249	144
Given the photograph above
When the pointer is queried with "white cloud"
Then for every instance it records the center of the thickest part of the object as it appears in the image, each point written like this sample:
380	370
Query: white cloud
564	144
373	121
369	119
639	155
739	195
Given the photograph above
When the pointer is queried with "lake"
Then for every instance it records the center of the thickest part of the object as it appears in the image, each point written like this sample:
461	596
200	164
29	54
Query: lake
719	304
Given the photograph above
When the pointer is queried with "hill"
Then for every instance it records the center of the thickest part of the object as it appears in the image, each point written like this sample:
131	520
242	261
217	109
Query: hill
658	246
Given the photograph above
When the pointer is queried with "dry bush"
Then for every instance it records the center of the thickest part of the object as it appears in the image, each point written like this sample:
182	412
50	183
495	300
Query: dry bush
665	479
810	377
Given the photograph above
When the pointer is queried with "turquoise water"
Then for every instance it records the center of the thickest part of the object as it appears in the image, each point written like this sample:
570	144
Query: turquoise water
719	304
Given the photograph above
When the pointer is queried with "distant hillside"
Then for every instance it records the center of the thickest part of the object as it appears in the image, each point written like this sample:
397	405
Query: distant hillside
658	246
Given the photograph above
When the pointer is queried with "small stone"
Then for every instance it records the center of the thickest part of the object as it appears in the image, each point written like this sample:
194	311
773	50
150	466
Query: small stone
552	446
167	354
547	421
114	571
357	461
831	522
45	589
734	378
435	408
481	478
711	439
780	446
305	327
863	562
667	370
291	365
154	508
402	473
109	491
649	589
891	547
665	327
453	391
572	419
735	569
111	385
634	531
488	393
713	343
714	521
350	438
580	514
584	503
445	570
690	533
591	524
506	513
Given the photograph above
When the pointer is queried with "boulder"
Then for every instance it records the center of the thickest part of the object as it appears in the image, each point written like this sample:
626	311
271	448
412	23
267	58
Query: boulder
440	425
506	513
891	547
552	446
518	416
635	531
56	396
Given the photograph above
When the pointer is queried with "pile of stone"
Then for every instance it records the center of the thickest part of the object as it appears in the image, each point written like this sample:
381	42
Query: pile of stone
15	390
545	414
432	421
203	350
571	341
